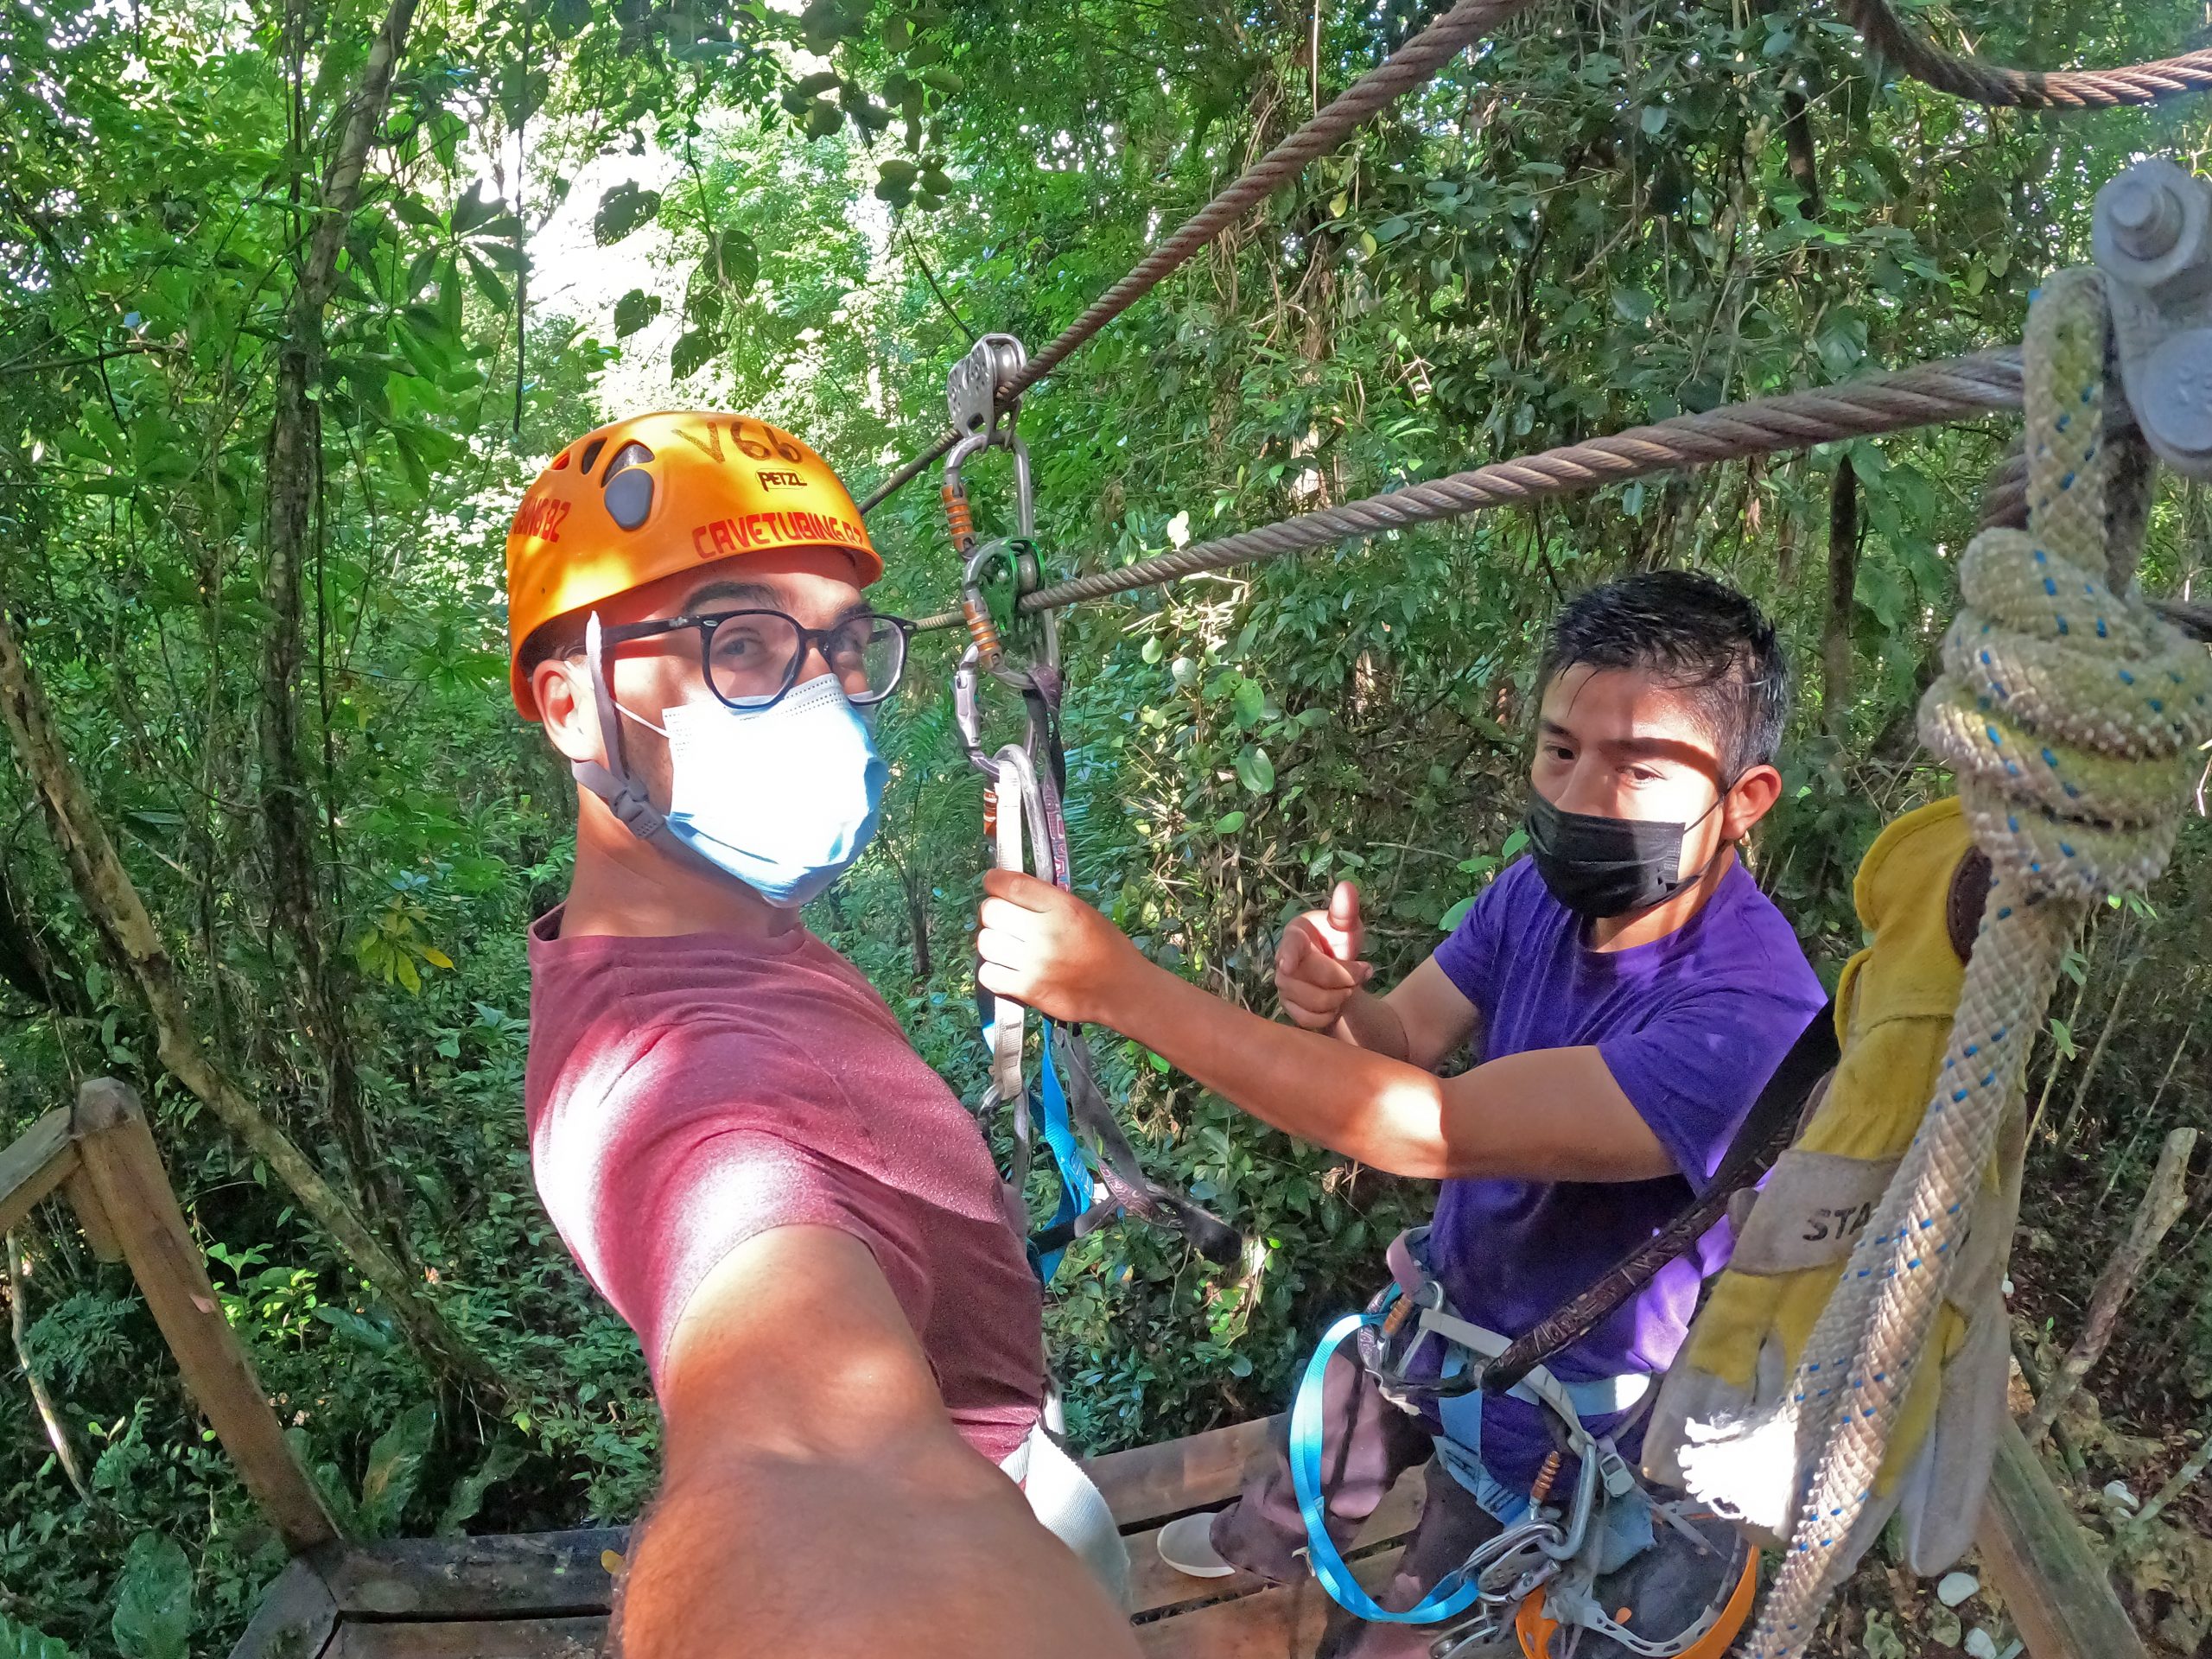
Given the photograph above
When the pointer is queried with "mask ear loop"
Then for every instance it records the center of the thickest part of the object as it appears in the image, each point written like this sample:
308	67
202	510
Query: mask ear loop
611	783
1684	883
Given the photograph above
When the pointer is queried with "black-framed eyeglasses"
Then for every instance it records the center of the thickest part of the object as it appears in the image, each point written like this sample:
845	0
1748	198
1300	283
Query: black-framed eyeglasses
751	659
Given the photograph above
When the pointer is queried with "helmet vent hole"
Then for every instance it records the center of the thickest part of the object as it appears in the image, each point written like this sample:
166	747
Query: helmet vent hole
629	496
629	455
591	455
560	460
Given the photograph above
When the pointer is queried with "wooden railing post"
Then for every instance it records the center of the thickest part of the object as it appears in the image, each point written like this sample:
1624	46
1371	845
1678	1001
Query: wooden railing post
2059	1594
138	1209
33	1165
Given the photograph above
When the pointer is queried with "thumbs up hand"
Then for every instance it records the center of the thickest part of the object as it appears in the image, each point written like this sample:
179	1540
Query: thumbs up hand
1317	966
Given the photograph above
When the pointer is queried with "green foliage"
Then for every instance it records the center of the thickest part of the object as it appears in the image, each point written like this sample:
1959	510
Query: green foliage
153	1600
1591	223
21	1642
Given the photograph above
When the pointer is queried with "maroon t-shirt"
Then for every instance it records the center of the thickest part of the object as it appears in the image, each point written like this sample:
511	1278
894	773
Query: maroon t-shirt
686	1094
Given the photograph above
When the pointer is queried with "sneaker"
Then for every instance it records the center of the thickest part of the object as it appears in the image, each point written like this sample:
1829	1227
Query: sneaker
1186	1545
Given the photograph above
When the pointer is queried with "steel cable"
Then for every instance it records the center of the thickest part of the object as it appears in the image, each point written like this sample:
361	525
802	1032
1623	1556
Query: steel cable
1960	388
1411	65
2026	89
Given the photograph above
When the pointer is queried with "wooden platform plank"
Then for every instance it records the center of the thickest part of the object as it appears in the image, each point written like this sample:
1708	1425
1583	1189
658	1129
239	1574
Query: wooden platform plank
1154	1585
2057	1591
295	1619
1147	1484
1279	1623
471	1638
547	1573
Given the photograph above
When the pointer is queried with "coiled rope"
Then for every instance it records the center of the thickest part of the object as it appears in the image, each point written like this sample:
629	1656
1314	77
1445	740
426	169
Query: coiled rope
1961	388
2069	712
1412	65
2027	89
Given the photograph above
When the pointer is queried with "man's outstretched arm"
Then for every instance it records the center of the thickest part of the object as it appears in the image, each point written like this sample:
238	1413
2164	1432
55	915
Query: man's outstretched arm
1550	1115
816	1500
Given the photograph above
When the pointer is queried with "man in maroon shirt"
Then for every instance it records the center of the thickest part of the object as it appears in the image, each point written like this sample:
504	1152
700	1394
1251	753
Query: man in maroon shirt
727	1125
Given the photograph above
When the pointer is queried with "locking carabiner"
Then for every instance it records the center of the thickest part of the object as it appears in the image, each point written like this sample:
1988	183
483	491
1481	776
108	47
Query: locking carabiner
972	391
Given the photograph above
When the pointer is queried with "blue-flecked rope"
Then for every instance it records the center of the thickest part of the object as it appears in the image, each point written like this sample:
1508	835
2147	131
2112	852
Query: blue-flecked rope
2070	714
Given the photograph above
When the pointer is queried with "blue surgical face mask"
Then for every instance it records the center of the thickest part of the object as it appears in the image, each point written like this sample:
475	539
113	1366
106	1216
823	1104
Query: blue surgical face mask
784	798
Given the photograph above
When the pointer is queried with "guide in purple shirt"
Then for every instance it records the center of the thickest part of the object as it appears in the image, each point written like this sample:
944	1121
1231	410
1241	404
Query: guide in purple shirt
1626	990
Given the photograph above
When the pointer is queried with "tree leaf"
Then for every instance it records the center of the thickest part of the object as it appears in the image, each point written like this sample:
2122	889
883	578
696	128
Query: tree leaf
569	18
633	311
467	1496
621	210
1251	702
1228	823
690	354
354	1328
1254	769
153	1599
488	283
395	1467
740	259
472	209
21	1642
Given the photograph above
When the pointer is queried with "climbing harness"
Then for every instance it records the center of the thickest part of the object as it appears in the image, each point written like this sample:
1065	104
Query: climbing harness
1024	817
1552	1567
1514	1578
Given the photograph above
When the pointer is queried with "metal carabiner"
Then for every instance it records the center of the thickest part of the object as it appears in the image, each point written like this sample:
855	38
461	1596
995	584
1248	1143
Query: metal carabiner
968	714
973	390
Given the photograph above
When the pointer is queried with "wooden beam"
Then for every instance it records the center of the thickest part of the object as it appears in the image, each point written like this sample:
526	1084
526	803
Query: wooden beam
474	1638
134	1194
100	1232
1147	1484
33	1165
295	1619
2058	1593
541	1573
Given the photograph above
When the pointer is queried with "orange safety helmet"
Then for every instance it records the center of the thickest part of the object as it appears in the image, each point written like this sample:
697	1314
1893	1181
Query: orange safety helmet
644	497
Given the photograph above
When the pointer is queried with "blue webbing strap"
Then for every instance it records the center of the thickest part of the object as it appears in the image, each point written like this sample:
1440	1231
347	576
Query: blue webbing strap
1451	1595
1076	1186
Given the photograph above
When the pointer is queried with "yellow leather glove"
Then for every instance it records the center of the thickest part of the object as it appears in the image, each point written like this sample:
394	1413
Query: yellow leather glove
1894	1006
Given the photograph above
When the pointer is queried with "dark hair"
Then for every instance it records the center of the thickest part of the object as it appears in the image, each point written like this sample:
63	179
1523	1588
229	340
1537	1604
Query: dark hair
561	636
1696	635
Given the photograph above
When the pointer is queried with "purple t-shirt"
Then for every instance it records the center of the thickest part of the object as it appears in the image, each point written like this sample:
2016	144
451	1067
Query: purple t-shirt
1691	1026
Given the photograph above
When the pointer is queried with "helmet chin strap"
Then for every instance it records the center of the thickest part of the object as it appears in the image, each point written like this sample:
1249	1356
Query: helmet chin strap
611	783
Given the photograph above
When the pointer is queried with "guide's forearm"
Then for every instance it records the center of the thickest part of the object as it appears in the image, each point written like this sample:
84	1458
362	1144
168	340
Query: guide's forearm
1343	1096
1369	1022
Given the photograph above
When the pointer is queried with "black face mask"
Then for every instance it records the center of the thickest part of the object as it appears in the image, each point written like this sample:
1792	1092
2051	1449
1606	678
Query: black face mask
1600	868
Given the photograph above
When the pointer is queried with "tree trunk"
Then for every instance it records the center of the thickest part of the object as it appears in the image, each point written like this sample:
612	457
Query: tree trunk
294	484
1843	587
104	888
1797	152
40	970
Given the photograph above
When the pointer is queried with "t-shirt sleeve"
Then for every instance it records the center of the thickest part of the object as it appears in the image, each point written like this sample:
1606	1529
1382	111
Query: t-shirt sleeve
1693	1070
1469	955
655	1172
